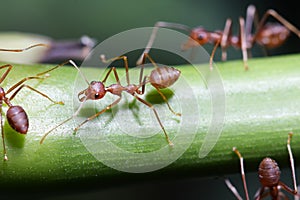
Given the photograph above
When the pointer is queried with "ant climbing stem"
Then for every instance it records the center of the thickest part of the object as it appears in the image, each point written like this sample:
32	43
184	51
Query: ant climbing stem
16	116
267	35
160	78
269	177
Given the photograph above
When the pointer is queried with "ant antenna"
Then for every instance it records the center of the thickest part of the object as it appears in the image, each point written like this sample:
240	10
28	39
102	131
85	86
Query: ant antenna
25	49
82	101
236	151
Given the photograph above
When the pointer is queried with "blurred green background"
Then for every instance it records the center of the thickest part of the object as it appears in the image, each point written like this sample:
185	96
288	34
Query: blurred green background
70	19
102	19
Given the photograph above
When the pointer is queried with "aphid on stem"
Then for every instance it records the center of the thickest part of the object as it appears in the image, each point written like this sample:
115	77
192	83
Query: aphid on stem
269	177
159	78
268	35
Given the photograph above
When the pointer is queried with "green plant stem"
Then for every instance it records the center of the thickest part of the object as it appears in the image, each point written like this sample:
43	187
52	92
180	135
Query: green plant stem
262	106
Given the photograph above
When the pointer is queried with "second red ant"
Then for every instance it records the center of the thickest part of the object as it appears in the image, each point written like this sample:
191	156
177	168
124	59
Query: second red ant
269	177
268	35
159	78
16	115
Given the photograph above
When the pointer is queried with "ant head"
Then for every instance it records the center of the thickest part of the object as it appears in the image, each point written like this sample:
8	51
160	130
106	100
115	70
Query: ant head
95	91
200	35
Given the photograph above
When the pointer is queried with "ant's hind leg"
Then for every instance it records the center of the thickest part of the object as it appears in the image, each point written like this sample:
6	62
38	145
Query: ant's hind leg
166	101
157	117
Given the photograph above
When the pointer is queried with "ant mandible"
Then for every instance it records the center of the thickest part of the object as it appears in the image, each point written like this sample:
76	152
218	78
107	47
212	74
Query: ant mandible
270	35
16	115
269	177
159	78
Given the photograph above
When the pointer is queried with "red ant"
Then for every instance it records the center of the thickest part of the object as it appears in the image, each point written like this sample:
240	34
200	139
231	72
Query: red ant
269	177
270	35
16	115
159	78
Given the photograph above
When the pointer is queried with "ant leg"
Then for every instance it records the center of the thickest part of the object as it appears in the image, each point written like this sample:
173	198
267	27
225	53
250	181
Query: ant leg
251	19
236	151
157	117
65	121
115	73
25	49
9	67
166	101
35	90
278	17
225	36
285	187
154	33
2	134
62	64
213	55
243	42
104	60
146	55
261	194
98	113
233	189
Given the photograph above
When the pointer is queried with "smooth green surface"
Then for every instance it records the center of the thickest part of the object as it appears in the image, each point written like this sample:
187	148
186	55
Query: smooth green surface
262	106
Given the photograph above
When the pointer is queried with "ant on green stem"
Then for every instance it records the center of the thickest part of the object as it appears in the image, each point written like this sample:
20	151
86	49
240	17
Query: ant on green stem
268	35
269	177
159	78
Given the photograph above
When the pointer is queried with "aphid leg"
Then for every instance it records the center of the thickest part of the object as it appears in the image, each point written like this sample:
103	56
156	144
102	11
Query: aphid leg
25	49
236	151
233	189
157	117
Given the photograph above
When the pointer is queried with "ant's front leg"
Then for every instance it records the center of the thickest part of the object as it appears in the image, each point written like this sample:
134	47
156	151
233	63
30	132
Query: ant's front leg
4	75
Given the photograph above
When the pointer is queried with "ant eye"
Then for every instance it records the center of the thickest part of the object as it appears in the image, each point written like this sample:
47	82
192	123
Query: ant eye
97	96
201	36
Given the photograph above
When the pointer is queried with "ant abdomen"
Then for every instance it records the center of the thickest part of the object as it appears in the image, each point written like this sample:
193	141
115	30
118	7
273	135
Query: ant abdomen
272	35
17	119
163	77
268	172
